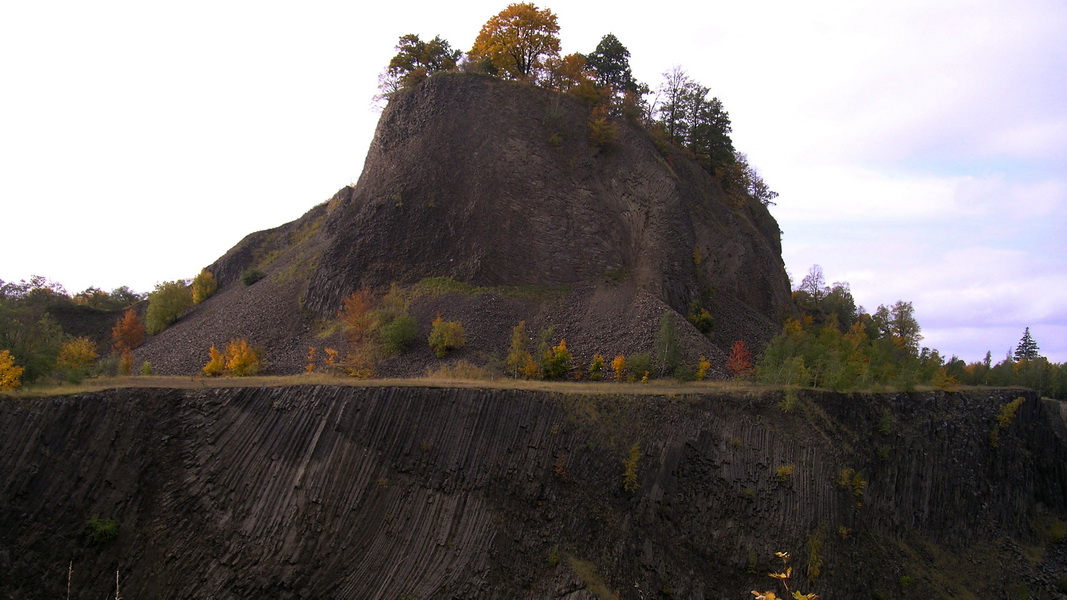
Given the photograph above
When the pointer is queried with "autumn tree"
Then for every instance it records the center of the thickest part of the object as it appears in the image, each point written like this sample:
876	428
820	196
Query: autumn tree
76	358
515	42
204	286
740	361
356	315
569	74
518	356
1027	348
416	60
128	332
10	373
239	359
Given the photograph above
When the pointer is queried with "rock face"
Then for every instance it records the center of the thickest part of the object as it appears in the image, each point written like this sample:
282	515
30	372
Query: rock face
493	183
346	492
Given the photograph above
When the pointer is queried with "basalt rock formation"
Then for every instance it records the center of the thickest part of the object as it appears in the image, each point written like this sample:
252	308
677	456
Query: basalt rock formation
496	185
435	493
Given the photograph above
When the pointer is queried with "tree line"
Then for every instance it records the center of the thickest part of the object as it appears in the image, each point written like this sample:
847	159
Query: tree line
522	43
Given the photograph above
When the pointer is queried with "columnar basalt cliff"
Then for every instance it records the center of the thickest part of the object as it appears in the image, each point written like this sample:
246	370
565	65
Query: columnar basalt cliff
384	492
495	184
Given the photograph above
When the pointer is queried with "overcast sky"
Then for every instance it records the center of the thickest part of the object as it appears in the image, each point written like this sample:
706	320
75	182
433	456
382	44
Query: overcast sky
920	148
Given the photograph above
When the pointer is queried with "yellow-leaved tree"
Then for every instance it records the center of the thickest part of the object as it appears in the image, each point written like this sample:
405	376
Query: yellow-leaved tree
515	42
10	374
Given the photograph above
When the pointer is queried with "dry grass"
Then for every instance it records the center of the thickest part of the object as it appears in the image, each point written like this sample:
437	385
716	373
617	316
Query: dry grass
656	387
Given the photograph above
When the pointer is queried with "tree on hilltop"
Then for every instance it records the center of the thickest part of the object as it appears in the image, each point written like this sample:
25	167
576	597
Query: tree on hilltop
416	60
611	62
515	42
1027	348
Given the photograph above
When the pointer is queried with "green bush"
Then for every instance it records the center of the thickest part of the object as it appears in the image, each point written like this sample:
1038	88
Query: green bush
399	334
169	300
101	531
445	336
251	276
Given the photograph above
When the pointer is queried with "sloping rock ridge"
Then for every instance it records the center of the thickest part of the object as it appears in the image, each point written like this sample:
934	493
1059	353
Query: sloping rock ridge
492	183
387	492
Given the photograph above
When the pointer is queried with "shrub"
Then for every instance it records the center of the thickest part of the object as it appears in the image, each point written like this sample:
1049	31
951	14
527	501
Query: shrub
601	129
784	472
556	361
146	368
242	359
789	401
310	366
399	334
204	286
101	531
853	481
128	332
169	300
702	368
667	349
125	363
360	362
251	276
445	336
10	374
701	319
596	368
216	364
641	366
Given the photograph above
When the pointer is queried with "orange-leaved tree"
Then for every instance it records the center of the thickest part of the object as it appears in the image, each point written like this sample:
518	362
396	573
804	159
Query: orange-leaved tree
356	315
515	42
740	361
240	359
618	364
10	373
128	332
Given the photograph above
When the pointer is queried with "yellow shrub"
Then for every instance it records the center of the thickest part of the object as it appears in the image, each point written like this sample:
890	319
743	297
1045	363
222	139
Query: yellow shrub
10	375
216	365
204	286
702	368
241	358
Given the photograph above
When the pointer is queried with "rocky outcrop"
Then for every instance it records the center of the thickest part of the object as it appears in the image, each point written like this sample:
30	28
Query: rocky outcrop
494	184
385	492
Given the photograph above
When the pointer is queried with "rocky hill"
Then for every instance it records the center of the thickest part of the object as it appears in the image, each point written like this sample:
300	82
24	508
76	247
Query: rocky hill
435	493
495	185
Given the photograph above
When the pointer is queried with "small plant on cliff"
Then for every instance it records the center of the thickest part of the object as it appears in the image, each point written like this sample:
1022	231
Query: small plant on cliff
1004	419
445	336
853	480
629	475
101	531
701	318
783	577
250	276
784	472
